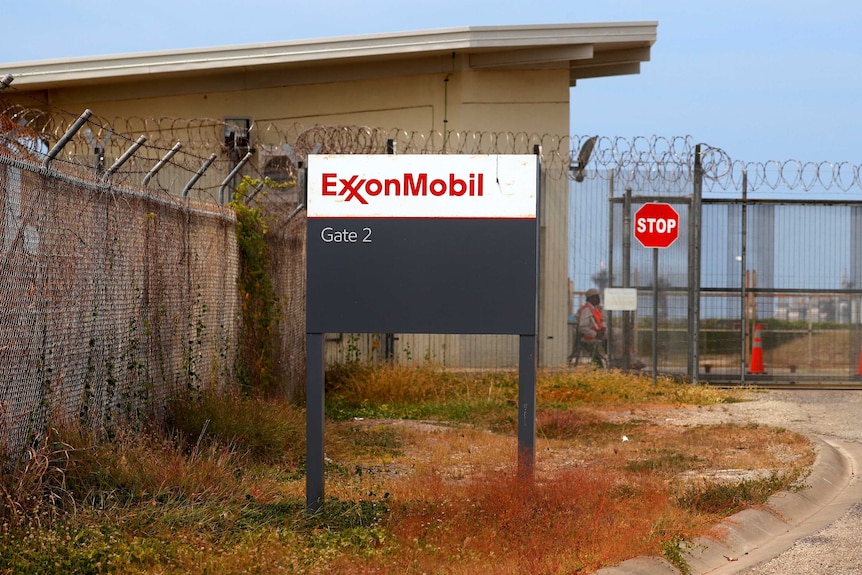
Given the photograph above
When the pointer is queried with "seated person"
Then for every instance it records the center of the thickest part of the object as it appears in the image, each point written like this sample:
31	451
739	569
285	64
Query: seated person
591	325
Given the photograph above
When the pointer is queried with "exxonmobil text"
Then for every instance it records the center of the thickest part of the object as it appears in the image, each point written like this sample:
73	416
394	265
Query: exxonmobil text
408	184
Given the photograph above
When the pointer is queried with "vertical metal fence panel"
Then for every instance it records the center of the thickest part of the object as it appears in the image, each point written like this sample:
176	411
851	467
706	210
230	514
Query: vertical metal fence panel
592	266
801	282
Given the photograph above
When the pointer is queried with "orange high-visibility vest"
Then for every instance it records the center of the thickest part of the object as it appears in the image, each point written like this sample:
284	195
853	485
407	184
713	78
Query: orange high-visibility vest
597	318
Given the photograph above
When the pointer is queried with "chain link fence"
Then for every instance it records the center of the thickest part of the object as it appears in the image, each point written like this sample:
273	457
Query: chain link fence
763	282
119	268
113	298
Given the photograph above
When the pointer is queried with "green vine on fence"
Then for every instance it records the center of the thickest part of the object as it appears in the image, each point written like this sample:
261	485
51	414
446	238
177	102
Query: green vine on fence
260	304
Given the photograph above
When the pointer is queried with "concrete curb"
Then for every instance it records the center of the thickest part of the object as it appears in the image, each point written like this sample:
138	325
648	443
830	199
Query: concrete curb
754	536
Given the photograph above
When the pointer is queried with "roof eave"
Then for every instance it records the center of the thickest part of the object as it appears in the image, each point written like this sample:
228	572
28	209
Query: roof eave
471	40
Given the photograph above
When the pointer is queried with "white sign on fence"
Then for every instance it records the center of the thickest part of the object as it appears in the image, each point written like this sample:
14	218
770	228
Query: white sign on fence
621	299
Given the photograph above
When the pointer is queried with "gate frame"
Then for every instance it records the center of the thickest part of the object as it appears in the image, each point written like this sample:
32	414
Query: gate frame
695	290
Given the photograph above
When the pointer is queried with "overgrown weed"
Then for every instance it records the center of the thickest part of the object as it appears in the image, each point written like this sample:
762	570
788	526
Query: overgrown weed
220	488
719	498
34	486
571	516
269	429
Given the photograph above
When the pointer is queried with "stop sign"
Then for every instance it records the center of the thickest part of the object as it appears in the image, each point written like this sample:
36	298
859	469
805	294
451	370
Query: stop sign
656	225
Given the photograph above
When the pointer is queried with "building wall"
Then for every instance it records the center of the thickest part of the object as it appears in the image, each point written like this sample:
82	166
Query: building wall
531	101
439	94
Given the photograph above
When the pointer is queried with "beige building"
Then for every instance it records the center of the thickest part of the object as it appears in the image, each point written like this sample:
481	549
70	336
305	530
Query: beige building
501	79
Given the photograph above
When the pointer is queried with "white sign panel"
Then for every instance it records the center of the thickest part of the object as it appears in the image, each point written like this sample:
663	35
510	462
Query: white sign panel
621	299
422	186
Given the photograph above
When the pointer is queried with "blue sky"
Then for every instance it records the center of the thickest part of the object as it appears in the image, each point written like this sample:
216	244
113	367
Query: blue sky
762	80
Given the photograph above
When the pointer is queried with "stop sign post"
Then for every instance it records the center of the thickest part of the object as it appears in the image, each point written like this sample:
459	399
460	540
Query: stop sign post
656	225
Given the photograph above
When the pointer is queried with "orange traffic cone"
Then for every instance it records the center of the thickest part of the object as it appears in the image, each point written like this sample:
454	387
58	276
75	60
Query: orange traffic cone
756	353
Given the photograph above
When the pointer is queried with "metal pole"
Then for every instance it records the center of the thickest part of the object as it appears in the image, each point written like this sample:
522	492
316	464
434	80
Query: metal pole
694	268
125	157
527	367
540	250
609	322
528	362
744	277
260	186
161	163
6	81
61	143
389	338
302	181
295	211
654	316
314	422
198	174
627	280
230	176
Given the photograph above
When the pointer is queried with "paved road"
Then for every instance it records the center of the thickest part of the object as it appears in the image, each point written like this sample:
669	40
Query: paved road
835	549
825	535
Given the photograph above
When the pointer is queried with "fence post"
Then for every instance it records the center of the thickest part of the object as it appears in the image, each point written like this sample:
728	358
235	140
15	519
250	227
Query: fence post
6	81
125	157
609	315
743	304
629	340
198	174
230	176
61	143
694	267
161	163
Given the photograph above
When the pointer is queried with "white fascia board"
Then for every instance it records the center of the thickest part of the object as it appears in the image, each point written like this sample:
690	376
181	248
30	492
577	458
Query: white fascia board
609	63
628	69
624	56
530	56
367	47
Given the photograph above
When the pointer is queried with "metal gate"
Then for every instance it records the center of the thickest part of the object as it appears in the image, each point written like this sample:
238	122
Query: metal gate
761	286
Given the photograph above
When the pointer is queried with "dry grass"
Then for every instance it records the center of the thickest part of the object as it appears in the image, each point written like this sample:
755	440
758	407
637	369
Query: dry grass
421	478
825	349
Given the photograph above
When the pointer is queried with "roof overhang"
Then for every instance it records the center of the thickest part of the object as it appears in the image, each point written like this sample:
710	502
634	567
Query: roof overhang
588	50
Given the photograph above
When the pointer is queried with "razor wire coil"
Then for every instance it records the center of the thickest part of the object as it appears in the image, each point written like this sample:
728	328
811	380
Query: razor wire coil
654	162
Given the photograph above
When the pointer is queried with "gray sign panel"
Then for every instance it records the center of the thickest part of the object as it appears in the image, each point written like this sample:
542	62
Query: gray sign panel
422	244
422	275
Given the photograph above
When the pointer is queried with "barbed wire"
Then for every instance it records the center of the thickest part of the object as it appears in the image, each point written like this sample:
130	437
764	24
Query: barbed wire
660	160
656	162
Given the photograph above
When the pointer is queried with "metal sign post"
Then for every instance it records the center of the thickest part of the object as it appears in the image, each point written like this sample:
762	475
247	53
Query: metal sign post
655	316
421	244
656	226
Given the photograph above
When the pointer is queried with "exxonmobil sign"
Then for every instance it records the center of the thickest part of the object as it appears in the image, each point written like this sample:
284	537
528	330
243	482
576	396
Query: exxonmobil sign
421	186
422	244
363	189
